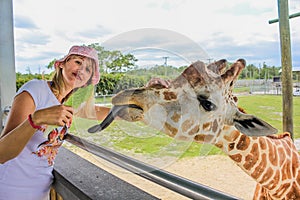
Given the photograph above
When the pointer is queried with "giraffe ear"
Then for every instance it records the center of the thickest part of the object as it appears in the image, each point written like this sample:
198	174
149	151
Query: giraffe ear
231	75
252	126
218	67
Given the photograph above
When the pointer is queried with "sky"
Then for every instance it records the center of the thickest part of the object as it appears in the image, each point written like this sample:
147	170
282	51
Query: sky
172	32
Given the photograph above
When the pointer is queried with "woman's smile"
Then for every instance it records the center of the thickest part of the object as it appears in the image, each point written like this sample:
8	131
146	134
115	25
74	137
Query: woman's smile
77	76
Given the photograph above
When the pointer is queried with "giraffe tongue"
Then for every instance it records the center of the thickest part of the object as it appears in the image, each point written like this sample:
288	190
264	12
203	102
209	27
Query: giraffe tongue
110	117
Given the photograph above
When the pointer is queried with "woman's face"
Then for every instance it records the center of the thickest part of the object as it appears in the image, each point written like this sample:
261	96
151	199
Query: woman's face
77	71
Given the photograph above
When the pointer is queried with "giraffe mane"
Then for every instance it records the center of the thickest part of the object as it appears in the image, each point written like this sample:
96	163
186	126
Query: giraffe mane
242	110
279	136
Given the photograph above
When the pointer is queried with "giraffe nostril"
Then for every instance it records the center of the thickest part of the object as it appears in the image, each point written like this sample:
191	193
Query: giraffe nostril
133	106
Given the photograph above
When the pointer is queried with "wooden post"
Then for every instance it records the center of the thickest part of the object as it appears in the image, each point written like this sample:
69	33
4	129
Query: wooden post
286	63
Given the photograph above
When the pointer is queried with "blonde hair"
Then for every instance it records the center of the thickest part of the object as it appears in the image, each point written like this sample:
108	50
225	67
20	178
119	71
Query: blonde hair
58	81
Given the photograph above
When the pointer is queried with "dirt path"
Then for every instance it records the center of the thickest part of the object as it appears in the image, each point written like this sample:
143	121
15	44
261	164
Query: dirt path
215	171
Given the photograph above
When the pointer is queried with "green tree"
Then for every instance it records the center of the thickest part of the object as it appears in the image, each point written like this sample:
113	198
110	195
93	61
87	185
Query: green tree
113	61
103	55
121	62
51	64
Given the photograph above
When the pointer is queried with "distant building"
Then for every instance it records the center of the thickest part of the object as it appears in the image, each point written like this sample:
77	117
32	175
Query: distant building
294	69
276	79
296	74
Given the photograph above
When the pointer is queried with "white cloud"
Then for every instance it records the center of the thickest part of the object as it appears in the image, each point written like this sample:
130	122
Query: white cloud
51	27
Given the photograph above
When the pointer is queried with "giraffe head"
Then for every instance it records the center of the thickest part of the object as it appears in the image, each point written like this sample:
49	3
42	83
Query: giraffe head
197	105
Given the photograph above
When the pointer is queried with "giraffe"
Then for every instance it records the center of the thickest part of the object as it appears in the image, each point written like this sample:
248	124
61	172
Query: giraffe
199	105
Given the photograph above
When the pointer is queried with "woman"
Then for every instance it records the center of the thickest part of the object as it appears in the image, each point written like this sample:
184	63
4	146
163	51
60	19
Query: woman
26	156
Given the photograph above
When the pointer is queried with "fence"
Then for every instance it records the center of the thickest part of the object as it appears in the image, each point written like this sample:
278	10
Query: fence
79	179
262	86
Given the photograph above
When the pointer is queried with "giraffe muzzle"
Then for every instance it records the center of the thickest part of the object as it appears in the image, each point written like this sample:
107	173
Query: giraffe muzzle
129	112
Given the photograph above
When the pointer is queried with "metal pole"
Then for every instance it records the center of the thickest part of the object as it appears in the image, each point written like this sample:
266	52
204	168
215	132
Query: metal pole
178	184
7	57
286	63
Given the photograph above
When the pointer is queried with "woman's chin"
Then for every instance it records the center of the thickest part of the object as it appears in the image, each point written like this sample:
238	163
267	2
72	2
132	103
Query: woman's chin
78	84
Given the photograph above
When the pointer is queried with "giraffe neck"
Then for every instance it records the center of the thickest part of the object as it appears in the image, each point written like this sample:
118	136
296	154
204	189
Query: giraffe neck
273	162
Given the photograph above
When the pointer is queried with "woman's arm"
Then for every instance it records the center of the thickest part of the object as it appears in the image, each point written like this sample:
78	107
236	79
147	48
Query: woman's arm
18	131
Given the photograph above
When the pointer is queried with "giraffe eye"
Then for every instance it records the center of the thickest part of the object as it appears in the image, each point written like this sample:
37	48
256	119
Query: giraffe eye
206	104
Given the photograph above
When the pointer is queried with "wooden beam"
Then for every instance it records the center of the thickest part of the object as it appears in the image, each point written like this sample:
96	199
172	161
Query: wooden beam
286	63
290	17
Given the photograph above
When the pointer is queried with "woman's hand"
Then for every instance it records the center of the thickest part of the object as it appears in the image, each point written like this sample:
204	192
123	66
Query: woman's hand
158	81
56	115
18	131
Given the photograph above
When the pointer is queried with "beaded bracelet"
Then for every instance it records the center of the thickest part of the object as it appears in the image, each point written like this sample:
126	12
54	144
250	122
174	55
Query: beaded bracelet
32	124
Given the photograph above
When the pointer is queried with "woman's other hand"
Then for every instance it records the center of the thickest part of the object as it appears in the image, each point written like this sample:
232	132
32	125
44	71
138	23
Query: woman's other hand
158	81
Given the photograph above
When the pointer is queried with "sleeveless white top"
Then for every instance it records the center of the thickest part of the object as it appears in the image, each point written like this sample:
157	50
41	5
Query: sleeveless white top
29	176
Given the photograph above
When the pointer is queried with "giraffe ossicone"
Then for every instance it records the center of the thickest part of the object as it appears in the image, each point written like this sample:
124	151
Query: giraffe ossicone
200	105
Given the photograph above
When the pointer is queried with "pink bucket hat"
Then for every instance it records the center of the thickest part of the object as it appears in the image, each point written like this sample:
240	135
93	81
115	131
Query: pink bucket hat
87	52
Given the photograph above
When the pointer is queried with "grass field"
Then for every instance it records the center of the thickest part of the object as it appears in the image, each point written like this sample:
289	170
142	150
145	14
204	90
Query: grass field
136	138
269	108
